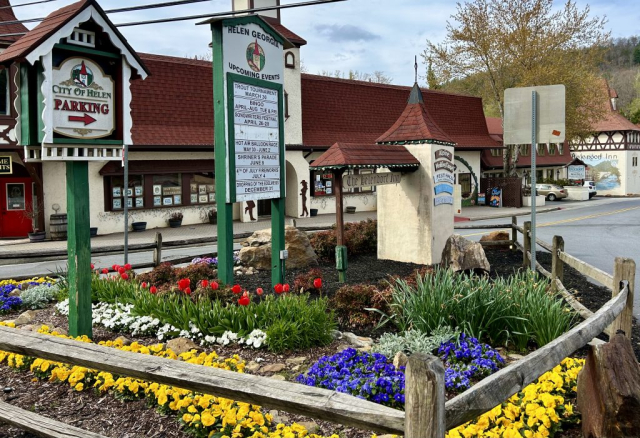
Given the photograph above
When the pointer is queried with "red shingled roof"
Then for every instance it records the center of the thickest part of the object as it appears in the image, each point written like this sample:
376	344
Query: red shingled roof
546	160
612	120
359	112
174	105
368	154
415	123
284	31
42	31
6	14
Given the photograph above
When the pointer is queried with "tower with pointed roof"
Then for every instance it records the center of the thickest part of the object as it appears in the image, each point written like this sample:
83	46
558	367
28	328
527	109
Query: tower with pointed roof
415	217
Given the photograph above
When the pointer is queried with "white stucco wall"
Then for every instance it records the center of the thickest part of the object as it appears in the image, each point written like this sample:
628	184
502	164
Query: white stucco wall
55	192
473	158
293	87
632	173
410	227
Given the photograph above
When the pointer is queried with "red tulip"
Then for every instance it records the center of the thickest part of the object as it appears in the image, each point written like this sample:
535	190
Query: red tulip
105	271
115	267
317	283
184	283
121	270
236	289
215	285
153	290
93	266
144	285
286	288
244	301
127	267
204	283
187	291
124	276
278	288
259	291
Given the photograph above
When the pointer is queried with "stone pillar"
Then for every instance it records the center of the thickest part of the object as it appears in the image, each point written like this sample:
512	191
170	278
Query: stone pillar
415	217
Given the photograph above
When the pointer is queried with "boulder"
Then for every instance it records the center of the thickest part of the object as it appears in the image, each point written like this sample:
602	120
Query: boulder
311	426
26	317
497	236
400	360
460	254
357	341
256	251
296	360
273	368
252	367
181	345
609	390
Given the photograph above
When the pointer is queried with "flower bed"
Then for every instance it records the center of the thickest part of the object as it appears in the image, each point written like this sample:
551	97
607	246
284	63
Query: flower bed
9	303
201	415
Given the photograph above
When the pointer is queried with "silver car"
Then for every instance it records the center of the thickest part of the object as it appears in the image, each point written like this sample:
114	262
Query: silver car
551	191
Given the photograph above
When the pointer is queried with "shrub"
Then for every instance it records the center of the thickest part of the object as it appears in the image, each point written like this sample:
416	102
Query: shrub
160	275
365	375
304	282
352	301
360	238
165	274
514	310
413	341
37	297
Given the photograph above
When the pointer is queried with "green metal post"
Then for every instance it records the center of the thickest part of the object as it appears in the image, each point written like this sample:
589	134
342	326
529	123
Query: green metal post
79	249
225	210
277	240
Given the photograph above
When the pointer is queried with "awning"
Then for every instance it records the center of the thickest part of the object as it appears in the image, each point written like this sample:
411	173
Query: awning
354	155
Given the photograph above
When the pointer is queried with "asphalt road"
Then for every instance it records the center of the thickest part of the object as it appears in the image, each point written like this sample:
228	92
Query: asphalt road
595	231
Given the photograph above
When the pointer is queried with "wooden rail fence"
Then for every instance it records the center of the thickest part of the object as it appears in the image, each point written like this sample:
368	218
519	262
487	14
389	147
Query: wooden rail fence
426	414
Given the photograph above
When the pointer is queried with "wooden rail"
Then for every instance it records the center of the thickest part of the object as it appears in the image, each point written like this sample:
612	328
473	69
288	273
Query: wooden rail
590	271
40	425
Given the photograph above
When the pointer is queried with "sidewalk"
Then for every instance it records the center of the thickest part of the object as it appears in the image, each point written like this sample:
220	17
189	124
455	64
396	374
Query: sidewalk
171	234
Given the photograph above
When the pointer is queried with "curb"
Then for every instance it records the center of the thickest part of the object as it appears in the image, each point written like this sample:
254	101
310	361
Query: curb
484	218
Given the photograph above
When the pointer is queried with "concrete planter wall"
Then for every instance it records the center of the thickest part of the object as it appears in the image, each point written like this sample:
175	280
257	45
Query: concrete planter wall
577	193
540	201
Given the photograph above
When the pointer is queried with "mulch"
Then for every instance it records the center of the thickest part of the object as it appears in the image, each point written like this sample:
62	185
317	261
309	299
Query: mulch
111	417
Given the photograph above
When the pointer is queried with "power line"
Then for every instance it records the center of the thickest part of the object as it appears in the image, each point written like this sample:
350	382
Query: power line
27	4
222	14
109	11
184	18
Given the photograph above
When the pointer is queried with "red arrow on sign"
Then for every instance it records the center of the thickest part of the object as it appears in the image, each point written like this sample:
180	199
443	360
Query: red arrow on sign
87	119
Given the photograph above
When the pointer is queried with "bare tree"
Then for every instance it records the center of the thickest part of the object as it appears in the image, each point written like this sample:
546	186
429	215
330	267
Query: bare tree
378	77
519	43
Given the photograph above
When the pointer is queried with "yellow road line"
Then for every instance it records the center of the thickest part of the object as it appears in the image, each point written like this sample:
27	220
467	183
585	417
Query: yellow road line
564	221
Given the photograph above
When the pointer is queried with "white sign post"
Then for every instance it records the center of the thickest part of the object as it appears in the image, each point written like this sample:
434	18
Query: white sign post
536	114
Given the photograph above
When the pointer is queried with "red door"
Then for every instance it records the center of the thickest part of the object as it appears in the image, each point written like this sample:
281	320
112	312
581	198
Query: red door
15	199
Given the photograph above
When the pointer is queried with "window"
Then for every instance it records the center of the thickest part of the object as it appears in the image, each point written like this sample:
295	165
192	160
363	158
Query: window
524	150
15	196
322	183
552	149
541	148
4	92
290	60
634	161
286	105
560	148
164	190
496	152
464	179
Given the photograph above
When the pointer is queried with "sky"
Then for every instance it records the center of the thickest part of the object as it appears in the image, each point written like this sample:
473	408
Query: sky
362	35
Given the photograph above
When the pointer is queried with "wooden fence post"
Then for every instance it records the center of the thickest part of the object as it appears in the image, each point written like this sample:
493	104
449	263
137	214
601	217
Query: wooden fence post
514	232
526	261
157	251
624	269
557	265
424	397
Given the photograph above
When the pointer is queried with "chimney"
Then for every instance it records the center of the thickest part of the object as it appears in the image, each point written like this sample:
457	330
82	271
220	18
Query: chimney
239	5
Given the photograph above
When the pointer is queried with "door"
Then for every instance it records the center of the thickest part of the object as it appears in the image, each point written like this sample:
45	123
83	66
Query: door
264	207
15	201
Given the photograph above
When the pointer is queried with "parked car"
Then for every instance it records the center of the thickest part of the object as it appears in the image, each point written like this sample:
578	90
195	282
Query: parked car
551	191
592	188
